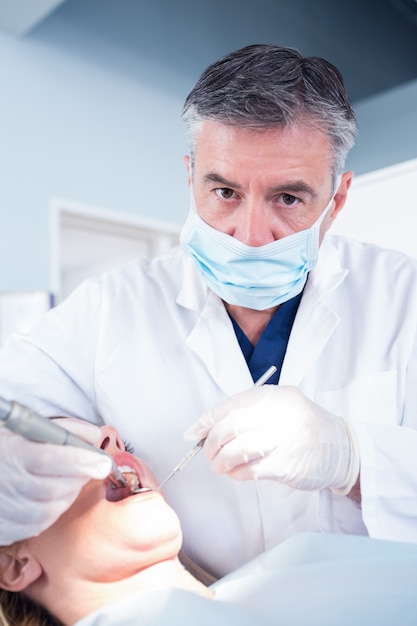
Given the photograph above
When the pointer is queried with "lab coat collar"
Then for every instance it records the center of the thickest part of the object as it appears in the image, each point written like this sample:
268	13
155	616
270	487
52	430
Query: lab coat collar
329	272
316	320
212	337
193	293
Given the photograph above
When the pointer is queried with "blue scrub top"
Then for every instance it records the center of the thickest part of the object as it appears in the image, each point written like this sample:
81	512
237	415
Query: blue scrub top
272	345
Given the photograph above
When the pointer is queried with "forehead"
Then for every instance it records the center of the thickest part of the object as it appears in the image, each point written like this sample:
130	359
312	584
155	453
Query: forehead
297	150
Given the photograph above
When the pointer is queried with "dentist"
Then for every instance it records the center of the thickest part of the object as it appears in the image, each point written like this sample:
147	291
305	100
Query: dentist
172	345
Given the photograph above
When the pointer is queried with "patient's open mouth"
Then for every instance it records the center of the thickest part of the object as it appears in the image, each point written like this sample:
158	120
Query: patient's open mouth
132	479
134	485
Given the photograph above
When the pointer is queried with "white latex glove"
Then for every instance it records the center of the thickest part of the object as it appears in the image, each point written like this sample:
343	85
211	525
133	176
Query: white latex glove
40	481
275	432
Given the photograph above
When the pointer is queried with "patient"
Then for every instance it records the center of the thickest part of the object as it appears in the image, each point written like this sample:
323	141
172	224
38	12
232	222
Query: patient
107	546
112	558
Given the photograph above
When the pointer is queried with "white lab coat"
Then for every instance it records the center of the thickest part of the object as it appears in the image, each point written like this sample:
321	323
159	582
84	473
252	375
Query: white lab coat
148	348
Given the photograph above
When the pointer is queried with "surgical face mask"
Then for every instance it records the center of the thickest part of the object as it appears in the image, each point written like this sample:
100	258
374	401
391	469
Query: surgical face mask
258	277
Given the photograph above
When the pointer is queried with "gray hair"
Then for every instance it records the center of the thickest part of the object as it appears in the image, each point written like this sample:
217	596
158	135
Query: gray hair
267	86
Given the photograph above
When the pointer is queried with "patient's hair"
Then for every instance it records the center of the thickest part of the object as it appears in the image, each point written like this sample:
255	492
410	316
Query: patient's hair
16	609
198	572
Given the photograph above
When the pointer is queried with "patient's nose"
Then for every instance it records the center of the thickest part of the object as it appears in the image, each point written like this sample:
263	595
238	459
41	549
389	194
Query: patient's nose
111	441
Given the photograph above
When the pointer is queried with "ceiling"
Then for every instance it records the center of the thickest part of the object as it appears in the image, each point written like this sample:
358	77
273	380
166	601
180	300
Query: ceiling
18	17
373	42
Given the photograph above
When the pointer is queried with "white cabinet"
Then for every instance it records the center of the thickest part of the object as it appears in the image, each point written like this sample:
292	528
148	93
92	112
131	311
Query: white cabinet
382	208
88	241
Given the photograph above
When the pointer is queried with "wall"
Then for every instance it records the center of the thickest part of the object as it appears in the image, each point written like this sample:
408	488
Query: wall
80	130
387	129
91	113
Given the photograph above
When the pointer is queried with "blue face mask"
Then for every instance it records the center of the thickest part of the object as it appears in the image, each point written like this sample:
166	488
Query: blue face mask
253	277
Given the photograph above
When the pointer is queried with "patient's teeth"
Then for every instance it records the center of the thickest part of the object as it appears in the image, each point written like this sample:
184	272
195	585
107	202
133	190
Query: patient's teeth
125	468
130	476
133	481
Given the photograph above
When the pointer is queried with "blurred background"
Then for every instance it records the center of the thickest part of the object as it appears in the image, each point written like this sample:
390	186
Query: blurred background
92	143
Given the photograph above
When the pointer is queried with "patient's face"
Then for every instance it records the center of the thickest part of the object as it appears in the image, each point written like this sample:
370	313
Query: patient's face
109	539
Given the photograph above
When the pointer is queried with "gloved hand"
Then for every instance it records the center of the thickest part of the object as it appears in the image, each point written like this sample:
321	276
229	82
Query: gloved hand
276	432
40	481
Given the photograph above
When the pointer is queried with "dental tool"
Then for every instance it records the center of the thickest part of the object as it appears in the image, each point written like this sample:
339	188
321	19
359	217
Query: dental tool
192	453
25	422
133	480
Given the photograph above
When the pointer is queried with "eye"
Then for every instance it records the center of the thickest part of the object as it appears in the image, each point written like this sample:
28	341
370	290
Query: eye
225	193
128	447
288	199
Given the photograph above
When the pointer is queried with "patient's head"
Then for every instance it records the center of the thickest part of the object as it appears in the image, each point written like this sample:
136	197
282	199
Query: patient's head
102	539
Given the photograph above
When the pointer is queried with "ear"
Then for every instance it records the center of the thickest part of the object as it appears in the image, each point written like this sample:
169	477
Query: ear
18	569
187	162
340	196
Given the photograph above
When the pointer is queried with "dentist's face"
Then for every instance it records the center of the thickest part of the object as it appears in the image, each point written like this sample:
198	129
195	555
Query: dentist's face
104	538
260	186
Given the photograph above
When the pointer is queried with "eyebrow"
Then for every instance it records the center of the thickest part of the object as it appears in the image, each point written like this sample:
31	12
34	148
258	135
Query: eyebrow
213	177
293	187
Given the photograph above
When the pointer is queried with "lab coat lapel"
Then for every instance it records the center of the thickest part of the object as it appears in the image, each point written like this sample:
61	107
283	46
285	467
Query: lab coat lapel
212	337
315	321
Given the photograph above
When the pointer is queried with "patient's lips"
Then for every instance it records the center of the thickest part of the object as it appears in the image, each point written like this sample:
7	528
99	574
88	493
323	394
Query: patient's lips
134	475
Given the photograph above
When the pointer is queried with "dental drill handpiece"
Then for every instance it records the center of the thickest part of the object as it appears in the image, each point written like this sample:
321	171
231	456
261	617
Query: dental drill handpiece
192	453
25	422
